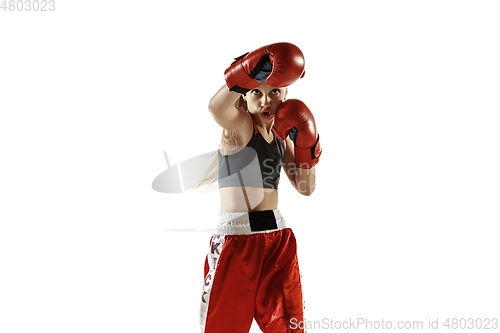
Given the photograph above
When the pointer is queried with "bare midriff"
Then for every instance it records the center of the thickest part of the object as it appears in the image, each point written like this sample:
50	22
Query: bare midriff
247	199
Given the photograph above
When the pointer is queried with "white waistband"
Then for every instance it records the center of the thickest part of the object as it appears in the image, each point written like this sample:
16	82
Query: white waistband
238	223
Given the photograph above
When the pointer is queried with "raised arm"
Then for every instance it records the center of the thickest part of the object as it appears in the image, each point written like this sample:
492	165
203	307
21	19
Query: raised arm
223	110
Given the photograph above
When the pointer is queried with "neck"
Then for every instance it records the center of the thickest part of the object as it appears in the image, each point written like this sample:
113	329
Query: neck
267	127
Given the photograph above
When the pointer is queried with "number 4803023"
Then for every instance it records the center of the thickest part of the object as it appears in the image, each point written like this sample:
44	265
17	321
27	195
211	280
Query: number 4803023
28	5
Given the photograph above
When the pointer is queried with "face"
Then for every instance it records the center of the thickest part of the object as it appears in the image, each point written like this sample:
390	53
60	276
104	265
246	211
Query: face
263	101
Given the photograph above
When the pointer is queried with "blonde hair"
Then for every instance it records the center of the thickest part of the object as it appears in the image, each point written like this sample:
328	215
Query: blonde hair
228	143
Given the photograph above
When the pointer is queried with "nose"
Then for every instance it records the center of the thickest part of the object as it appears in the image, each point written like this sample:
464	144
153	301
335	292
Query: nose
266	101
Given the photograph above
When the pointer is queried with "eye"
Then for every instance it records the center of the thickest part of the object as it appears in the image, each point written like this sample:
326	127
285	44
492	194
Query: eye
275	91
256	91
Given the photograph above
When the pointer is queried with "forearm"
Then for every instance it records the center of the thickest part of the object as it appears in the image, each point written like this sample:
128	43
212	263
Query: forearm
305	180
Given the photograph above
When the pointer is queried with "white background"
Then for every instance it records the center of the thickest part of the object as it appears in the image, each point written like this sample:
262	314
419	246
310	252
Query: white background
403	224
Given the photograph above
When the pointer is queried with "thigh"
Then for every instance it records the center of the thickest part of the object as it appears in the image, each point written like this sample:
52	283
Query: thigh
279	300
230	285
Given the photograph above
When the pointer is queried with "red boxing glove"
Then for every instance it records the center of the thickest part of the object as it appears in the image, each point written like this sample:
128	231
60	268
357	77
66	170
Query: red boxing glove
279	65
294	118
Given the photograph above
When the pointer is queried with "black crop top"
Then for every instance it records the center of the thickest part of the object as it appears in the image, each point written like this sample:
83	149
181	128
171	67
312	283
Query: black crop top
258	164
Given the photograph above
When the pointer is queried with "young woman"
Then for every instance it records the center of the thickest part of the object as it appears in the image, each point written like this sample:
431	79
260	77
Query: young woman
251	270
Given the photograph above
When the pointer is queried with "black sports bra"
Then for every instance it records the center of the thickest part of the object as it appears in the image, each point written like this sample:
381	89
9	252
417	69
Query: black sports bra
258	164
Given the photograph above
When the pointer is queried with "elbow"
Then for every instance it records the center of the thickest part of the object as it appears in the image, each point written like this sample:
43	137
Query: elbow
210	106
214	108
305	188
211	110
307	192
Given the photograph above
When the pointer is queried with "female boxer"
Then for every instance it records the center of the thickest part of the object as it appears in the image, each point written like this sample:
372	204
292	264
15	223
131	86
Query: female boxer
251	270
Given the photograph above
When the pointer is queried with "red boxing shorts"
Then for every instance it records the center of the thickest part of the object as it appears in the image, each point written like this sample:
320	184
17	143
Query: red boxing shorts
251	271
